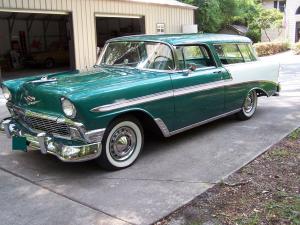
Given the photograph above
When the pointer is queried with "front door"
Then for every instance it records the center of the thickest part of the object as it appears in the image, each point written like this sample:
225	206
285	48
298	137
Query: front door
199	89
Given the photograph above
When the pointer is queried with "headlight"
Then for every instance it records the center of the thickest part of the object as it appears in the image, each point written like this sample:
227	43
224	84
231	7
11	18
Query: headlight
6	93
68	108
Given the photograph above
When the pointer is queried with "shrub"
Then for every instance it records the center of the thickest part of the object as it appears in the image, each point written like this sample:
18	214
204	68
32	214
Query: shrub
270	48
297	48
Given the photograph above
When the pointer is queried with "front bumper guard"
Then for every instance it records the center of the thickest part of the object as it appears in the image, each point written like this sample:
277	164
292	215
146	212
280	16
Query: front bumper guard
48	145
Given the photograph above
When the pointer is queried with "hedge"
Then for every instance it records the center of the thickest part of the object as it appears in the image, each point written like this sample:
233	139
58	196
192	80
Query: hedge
270	48
297	48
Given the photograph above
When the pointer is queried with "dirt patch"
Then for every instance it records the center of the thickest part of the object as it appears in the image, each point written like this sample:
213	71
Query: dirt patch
266	191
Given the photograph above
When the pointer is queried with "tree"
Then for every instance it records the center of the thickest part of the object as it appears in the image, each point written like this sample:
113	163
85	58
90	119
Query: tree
269	18
248	14
213	15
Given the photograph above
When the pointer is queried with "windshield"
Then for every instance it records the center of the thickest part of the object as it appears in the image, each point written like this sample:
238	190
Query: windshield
142	55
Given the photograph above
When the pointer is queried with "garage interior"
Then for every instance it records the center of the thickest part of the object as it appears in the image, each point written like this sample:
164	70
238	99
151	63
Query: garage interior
108	27
35	43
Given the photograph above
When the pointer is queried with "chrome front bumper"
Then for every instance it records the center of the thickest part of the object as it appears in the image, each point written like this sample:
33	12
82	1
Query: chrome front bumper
48	144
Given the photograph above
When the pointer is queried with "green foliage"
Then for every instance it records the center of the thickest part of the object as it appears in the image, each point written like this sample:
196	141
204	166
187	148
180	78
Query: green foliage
284	207
254	219
296	133
297	48
269	18
213	15
282	153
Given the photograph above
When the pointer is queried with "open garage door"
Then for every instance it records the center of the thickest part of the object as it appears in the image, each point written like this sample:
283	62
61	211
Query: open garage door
35	43
111	26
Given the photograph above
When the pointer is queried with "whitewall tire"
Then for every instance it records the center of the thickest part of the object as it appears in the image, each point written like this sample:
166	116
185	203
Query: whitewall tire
122	144
249	106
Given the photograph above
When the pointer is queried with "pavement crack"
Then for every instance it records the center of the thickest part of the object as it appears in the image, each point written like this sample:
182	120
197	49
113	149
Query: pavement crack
160	180
64	196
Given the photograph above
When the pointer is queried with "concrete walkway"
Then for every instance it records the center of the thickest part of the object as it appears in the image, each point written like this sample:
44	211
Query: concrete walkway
38	189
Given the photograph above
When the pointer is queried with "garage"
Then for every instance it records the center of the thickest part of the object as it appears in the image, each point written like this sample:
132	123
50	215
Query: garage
111	26
35	43
76	30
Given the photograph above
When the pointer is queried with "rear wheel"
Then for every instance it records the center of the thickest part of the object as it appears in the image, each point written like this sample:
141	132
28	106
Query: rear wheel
122	143
249	106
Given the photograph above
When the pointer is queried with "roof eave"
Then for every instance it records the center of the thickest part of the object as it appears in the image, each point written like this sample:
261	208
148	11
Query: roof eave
180	5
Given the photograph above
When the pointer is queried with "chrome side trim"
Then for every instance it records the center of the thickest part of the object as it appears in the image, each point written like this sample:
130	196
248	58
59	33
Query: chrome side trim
163	127
176	92
200	87
204	122
133	101
165	131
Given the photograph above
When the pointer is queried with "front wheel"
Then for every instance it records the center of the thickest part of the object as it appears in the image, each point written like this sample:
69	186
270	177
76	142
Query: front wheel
249	106
122	143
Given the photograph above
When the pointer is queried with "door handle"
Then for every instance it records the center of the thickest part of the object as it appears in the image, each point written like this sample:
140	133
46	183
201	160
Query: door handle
218	71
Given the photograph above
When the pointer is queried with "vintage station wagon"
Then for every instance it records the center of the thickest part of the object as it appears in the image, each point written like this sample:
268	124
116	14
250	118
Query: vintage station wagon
165	83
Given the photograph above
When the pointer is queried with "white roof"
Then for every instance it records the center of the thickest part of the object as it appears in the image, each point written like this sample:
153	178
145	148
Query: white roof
166	2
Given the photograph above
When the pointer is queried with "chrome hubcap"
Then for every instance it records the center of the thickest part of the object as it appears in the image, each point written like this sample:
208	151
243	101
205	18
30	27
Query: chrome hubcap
249	102
122	143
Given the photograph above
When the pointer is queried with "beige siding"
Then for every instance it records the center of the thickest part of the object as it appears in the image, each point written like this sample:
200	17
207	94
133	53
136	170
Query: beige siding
83	12
290	21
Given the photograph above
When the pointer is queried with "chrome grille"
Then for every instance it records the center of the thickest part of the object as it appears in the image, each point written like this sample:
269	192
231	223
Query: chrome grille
46	125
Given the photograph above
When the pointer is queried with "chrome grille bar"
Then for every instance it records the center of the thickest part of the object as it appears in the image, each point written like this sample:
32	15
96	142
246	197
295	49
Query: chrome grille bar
48	126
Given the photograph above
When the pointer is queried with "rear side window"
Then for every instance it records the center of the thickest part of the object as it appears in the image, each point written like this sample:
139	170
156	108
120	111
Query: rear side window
234	53
246	52
197	55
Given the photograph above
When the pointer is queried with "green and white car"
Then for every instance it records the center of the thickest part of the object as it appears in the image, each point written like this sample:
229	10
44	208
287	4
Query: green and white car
164	83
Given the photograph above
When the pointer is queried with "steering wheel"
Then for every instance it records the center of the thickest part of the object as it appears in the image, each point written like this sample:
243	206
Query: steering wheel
161	62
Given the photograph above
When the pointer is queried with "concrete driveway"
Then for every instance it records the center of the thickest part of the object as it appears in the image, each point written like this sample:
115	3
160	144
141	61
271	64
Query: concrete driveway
38	189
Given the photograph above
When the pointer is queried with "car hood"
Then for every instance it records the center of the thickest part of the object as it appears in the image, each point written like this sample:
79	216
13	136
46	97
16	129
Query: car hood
97	78
46	95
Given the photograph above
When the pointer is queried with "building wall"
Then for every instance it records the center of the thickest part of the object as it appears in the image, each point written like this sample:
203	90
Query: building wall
83	14
274	34
292	18
288	33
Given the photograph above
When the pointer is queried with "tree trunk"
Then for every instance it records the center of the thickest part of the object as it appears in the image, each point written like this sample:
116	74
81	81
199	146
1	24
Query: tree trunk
267	35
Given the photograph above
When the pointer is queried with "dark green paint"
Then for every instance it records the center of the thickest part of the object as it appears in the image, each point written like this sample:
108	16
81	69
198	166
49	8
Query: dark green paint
104	85
19	143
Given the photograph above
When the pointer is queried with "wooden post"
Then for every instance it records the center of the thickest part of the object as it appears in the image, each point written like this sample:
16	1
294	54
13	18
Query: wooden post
29	21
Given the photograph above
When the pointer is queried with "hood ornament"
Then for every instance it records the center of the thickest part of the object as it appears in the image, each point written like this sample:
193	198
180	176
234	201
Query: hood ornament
44	79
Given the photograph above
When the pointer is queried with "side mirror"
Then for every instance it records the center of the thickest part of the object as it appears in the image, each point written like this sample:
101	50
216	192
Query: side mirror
192	67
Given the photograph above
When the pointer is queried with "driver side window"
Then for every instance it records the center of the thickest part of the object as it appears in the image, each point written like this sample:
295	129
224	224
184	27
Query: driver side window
196	55
158	57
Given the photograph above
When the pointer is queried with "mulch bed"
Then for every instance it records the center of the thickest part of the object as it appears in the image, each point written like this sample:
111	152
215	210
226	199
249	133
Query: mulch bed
266	191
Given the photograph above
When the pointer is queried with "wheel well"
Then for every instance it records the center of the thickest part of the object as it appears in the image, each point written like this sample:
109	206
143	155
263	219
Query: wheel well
147	122
261	92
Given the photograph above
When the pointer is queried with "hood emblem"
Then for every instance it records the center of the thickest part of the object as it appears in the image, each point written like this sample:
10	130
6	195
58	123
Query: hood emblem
30	100
44	79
